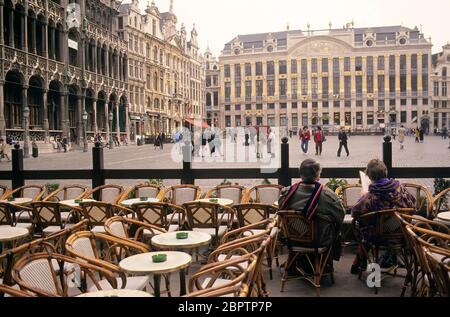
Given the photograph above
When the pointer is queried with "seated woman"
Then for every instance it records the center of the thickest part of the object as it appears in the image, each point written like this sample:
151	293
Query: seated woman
314	200
384	194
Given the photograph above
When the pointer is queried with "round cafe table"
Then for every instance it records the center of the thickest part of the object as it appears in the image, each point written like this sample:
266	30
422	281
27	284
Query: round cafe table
72	203
169	240
10	235
117	293
444	217
131	202
219	201
143	264
18	201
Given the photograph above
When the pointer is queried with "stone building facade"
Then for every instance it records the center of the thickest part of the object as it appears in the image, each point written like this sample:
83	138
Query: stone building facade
212	89
440	82
361	78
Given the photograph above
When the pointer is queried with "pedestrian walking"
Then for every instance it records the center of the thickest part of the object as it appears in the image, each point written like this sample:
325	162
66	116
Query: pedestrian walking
444	132
157	141
270	140
421	135
343	143
4	151
163	138
401	136
64	144
305	137
318	139
417	134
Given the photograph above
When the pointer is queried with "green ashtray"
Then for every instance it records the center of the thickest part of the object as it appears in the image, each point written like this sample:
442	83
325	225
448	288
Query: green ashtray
159	258
144	198
214	200
182	235
78	201
11	199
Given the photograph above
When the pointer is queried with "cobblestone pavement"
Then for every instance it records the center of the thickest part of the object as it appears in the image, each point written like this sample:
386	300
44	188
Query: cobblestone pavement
434	152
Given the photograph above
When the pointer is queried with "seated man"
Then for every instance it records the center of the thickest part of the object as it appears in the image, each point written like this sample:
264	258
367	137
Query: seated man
315	201
384	194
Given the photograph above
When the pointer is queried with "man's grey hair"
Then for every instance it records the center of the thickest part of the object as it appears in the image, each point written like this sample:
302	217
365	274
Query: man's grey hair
376	170
310	171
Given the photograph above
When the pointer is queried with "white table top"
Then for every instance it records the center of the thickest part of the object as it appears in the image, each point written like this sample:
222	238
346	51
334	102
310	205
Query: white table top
143	263
8	233
220	201
131	202
117	293
169	240
18	201
444	216
72	203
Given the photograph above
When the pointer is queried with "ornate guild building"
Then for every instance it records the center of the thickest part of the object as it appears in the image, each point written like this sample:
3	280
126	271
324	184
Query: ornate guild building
61	65
441	97
212	89
361	78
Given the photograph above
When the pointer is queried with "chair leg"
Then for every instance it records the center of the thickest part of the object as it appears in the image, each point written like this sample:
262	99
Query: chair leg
167	280
290	261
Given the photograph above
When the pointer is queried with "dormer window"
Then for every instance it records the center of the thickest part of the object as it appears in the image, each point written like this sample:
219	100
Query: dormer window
402	41
237	51
369	43
270	48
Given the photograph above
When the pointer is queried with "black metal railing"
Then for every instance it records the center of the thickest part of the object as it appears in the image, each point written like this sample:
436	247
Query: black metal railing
187	175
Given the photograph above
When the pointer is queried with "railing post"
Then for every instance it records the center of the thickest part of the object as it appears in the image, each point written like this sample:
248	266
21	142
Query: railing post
98	174
18	179
387	153
283	177
187	177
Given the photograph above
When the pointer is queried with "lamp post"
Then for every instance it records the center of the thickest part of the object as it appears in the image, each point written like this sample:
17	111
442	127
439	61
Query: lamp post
111	142
85	143
26	145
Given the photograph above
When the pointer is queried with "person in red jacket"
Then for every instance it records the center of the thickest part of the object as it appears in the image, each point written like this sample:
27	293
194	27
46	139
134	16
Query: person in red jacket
305	137
318	139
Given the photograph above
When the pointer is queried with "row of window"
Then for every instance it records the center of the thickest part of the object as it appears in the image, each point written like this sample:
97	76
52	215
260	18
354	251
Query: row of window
370	61
325	104
443	89
326	89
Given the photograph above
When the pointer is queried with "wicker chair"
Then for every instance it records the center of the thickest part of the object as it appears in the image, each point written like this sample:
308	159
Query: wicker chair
235	193
248	214
247	231
107	193
166	216
47	216
441	202
35	192
67	193
13	292
54	243
263	194
133	230
303	240
97	213
4	191
180	194
222	275
36	273
382	231
143	190
9	215
86	246
350	195
424	199
207	217
439	263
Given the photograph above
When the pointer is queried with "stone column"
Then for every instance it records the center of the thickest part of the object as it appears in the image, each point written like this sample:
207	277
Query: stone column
2	27
2	111
44	39
117	67
127	121
117	122
64	112
52	50
94	57
45	115
99	61
24	29
107	121
11	28
94	110
25	122
33	36
80	109
106	54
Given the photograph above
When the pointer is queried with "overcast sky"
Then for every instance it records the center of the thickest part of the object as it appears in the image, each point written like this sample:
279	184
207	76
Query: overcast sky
219	21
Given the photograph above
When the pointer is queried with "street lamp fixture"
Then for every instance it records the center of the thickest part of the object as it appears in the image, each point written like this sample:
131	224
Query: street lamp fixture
111	142
85	143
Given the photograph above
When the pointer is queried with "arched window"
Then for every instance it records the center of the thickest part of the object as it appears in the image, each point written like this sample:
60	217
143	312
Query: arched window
155	82
444	73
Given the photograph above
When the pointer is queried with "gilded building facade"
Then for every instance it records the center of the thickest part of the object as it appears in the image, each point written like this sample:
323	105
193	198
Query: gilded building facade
441	81
57	64
212	89
361	78
166	73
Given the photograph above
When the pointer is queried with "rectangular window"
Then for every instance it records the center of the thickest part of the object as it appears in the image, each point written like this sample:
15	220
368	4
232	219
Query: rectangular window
392	84
259	88
283	105
304	105
304	68
304	86
314	87
358	64
271	120
358	80
402	102
283	87
324	65
248	89
369	103
248	69
271	106
359	103
227	108
282	67
370	118
237	72
337	104
359	118
314	65
294	66
336	85
392	64
444	104
228	121
348	118
325	104
336	66
370	84
381	84
271	87
248	107
294	88
259	106
259	69
380	63
294	105
403	117
237	89
381	105
444	89
414	83
425	101
325	90
227	91
294	120
238	121
436	89
425	84
425	61
325	119
227	71
337	119
414	101
369	66
305	120
347	87
347	64
270	68
402	64
237	107
414	63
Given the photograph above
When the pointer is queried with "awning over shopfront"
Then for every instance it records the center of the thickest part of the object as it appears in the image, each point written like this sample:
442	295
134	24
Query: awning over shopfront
197	123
